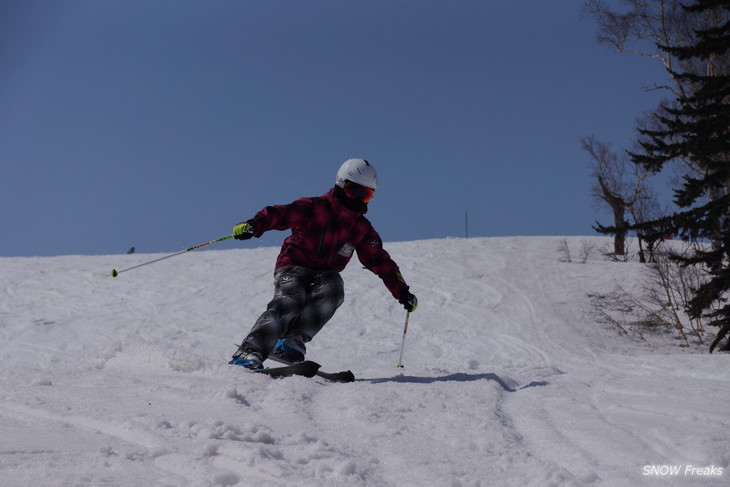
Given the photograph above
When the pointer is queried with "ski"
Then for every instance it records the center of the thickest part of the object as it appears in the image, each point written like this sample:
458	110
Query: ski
305	369
343	376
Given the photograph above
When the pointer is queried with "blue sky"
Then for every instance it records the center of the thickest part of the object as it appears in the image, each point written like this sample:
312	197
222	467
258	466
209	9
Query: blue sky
160	124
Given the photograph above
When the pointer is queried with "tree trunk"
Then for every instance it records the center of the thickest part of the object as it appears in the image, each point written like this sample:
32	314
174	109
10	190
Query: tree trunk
619	240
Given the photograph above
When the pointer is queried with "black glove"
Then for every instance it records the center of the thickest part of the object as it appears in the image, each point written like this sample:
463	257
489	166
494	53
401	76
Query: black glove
243	231
409	302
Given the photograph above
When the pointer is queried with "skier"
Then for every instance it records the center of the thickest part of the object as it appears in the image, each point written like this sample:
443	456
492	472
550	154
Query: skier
308	289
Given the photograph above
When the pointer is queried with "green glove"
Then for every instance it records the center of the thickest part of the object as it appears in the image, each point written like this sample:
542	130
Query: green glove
243	231
409	302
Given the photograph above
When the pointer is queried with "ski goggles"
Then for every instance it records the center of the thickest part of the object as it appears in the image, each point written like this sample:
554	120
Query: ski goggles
358	192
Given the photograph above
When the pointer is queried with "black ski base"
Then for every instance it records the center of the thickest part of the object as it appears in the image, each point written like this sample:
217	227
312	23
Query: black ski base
343	376
306	369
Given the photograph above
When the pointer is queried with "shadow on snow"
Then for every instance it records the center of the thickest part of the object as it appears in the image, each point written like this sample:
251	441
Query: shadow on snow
457	377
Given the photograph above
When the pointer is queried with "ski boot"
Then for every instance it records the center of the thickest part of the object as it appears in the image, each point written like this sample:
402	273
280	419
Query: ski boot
248	359
289	349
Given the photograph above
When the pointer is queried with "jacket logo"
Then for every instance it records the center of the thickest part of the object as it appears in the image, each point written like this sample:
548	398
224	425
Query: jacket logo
346	250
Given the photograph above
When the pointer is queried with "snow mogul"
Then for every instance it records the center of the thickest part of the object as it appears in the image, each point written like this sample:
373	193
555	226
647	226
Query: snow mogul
308	289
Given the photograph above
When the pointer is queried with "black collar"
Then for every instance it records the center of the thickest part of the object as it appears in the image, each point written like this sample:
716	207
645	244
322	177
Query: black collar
349	203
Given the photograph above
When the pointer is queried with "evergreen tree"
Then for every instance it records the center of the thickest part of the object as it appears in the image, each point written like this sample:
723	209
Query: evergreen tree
697	128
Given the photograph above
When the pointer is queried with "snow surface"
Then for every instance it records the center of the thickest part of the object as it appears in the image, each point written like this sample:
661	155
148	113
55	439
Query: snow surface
509	380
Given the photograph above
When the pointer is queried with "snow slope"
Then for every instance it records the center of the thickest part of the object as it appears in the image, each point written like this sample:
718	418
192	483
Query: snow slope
509	380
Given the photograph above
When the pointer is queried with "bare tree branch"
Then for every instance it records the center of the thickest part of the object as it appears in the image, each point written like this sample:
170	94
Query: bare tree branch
619	184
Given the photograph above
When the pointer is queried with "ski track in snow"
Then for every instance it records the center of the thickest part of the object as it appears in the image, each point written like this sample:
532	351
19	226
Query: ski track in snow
508	380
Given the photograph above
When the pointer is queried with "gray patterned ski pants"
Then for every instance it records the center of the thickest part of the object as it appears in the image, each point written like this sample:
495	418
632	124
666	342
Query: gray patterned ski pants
304	301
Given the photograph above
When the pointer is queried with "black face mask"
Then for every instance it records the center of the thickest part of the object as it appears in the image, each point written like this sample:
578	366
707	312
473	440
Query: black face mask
349	203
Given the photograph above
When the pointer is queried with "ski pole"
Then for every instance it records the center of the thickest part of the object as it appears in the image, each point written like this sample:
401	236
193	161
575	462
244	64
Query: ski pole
115	273
403	343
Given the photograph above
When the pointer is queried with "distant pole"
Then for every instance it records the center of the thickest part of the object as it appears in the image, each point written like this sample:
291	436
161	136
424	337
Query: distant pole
466	223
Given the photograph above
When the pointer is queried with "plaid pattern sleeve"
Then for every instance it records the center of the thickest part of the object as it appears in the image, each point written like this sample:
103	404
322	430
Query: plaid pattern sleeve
282	217
372	255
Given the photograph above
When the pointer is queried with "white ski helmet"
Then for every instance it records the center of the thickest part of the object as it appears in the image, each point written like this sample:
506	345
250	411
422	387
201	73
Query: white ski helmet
358	171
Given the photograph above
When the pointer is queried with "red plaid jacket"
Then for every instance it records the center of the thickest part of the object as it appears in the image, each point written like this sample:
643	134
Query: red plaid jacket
324	236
